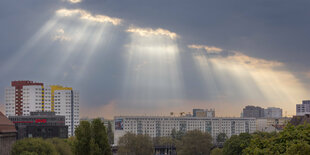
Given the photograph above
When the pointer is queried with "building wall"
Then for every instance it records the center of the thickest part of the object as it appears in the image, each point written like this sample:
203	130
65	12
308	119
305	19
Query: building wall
66	102
10	101
273	112
24	97
252	111
263	124
6	142
203	113
195	111
40	124
163	126
303	109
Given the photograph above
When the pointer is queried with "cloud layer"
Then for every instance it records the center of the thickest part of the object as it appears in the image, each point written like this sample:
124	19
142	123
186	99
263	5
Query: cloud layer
208	49
160	56
150	31
85	15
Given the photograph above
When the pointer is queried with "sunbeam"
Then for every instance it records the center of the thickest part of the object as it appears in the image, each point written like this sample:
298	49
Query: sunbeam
86	34
248	80
81	34
27	47
98	38
153	72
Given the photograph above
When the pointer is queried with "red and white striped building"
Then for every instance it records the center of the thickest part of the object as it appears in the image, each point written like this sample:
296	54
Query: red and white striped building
24	97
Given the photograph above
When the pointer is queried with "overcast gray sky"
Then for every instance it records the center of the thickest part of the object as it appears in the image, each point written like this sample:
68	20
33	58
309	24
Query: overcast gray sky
153	57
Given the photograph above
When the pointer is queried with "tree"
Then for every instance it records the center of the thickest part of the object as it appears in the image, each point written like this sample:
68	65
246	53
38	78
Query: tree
299	148
166	141
236	143
61	146
33	146
217	151
132	144
221	138
71	142
110	133
174	133
100	137
83	137
91	138
180	134
195	142
292	140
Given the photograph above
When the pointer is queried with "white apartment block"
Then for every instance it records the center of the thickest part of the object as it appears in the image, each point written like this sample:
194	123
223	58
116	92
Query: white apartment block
161	126
263	124
66	103
303	109
24	97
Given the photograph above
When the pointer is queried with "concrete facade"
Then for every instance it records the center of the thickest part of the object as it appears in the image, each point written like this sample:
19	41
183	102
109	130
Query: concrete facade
7	135
273	112
267	124
204	113
40	124
161	126
253	112
303	109
23	97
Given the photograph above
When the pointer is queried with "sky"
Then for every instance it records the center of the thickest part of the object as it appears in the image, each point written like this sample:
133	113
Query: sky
137	57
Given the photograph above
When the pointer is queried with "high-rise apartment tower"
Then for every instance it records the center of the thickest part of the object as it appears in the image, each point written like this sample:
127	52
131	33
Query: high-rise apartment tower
24	97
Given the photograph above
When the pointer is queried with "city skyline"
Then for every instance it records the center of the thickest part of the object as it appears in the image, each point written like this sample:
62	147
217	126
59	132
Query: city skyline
160	57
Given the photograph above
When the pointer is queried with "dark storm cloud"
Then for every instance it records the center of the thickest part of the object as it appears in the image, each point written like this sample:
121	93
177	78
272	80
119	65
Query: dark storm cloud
270	30
273	30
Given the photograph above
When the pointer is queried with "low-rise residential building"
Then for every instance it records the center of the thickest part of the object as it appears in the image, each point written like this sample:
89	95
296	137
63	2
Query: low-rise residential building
7	135
40	124
271	124
161	126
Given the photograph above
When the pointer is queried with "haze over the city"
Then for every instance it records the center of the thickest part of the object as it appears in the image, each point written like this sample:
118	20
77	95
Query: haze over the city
156	57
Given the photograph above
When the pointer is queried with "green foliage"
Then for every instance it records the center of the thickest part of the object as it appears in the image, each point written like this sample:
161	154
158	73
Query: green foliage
180	134
292	140
61	146
195	142
71	142
174	133
110	133
166	141
236	143
217	151
83	137
91	138
131	144
100	137
299	148
221	138
33	146
94	148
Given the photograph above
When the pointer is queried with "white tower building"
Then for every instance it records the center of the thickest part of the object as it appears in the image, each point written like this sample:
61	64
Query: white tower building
24	97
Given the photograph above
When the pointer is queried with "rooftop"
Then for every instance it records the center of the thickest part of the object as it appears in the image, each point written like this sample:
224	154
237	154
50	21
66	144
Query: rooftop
6	126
